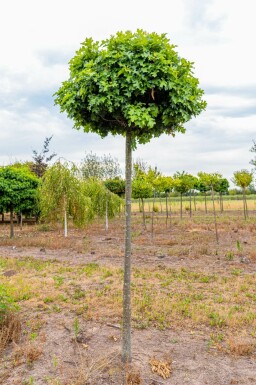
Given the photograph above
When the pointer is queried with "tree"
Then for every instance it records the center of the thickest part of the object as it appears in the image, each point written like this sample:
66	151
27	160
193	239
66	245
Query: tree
243	179
202	188
135	85
141	189
210	180
221	187
183	183
41	159
164	184
18	191
103	202
62	195
100	167
116	186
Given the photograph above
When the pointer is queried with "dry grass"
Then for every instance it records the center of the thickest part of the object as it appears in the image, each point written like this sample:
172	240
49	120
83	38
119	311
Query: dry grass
89	370
161	367
240	346
10	330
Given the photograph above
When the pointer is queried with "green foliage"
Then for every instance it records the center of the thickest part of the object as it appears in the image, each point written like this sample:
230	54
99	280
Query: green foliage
18	189
141	189
100	196
221	186
131	80
183	182
62	190
163	183
116	186
242	178
210	180
7	304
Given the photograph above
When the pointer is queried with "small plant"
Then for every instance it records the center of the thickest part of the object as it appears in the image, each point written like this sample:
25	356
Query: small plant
76	326
55	361
229	256
238	246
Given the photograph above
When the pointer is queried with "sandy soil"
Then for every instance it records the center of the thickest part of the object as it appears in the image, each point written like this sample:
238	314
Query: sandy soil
94	354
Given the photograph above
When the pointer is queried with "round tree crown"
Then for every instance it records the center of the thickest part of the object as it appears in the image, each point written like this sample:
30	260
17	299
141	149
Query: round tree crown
131	81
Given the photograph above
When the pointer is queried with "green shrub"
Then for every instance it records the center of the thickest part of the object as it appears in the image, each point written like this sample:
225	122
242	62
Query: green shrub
7	304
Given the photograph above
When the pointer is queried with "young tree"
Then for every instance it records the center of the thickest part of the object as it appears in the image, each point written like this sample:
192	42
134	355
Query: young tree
141	189
62	195
243	179
164	184
182	183
100	167
211	180
221	187
116	186
202	188
42	159
135	85
18	191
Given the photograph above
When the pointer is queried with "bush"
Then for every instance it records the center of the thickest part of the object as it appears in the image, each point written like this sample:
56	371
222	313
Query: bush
7	304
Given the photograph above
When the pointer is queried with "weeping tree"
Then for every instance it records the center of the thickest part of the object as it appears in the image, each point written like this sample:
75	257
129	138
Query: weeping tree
243	179
62	195
104	203
135	85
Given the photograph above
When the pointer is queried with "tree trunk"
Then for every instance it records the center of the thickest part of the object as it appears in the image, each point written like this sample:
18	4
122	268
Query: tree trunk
11	224
190	203
170	212
194	196
205	203
65	222
166	205
245	205
152	216
214	214
2	217
106	219
21	220
143	213
126	330
180	206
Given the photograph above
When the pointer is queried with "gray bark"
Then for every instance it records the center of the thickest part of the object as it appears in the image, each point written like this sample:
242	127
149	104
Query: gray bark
126	331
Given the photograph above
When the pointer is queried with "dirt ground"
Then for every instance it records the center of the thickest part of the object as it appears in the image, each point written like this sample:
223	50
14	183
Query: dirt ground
186	353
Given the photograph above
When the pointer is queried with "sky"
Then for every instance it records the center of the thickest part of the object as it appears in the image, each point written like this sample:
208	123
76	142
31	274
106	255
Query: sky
38	38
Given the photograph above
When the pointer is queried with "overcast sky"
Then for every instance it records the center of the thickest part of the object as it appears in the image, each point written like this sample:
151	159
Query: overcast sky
38	38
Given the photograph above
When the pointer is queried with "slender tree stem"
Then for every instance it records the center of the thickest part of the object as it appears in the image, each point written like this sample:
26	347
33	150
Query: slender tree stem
11	224
126	332
215	220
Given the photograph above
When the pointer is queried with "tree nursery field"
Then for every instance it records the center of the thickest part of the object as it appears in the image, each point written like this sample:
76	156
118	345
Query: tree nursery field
193	302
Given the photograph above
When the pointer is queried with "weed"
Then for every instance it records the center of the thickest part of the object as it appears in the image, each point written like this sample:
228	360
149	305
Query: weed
76	326
216	320
229	256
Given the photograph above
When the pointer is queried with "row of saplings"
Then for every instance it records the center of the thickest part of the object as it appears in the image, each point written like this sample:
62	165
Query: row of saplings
60	194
